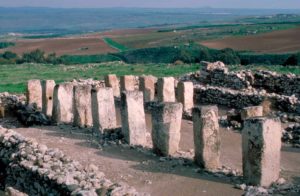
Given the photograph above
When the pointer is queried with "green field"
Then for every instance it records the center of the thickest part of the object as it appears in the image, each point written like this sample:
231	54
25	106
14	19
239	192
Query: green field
115	44
14	77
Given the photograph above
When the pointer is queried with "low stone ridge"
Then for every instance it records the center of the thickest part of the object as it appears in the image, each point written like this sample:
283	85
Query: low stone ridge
241	99
291	135
37	170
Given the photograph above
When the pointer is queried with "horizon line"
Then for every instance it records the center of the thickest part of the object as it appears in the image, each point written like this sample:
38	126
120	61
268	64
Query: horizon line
124	7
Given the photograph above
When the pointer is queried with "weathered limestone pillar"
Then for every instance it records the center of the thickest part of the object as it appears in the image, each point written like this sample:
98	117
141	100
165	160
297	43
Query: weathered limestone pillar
128	83
83	106
250	112
261	140
133	117
166	89
207	139
34	93
103	109
112	81
63	103
147	86
48	90
186	95
166	124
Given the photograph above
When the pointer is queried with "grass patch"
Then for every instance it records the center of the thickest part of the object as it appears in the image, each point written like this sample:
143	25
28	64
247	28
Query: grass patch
115	44
6	44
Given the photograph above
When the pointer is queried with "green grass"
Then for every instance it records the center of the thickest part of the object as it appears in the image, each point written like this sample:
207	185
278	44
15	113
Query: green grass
115	44
14	77
6	44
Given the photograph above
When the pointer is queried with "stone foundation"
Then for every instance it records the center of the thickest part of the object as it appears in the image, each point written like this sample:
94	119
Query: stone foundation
261	141
207	139
48	89
166	89
103	107
186	95
147	86
63	103
250	112
83	106
166	124
34	93
112	81
128	83
133	117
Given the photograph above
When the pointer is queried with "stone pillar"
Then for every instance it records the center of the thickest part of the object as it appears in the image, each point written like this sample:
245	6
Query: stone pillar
34	93
63	103
261	141
207	139
127	83
133	117
166	89
103	109
48	89
83	106
112	81
250	112
147	86
166	124
186	95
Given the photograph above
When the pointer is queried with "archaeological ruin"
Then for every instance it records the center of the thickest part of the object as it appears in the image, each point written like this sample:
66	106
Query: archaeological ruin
259	107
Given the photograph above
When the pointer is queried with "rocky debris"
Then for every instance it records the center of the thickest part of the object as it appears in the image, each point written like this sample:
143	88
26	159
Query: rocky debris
241	99
285	84
30	115
8	103
37	170
281	187
10	191
94	83
291	135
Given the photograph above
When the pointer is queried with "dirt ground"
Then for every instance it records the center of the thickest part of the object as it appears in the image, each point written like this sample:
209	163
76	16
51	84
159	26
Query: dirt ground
274	42
149	173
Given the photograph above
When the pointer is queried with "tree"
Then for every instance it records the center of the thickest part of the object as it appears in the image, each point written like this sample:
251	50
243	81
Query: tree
294	59
9	55
228	56
36	56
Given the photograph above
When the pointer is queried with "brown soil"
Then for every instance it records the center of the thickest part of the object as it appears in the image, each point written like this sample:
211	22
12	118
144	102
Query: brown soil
61	46
274	42
145	171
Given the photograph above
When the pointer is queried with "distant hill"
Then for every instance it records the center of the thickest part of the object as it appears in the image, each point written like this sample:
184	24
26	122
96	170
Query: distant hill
73	21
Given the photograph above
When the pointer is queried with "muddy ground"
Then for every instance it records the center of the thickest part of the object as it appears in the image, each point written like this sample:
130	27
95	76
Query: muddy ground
150	173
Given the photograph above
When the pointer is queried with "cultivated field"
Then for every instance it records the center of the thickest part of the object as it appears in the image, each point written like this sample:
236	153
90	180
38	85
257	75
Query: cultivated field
273	42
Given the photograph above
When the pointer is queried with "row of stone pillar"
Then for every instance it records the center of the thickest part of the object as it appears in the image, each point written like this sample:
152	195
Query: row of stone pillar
87	106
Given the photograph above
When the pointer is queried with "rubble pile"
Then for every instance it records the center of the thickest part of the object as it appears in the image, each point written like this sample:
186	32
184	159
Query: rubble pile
37	170
29	115
241	99
291	135
8	103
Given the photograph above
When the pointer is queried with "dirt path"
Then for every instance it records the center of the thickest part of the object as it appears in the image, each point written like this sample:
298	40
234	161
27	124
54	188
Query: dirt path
149	173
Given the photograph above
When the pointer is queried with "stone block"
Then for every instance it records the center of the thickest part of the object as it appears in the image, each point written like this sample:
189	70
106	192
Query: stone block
166	89
207	139
128	83
34	93
250	112
166	125
112	81
83	106
103	109
186	95
133	117
147	86
261	142
63	103
48	90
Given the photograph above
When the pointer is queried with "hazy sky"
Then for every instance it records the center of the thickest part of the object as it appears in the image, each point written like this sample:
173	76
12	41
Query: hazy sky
293	4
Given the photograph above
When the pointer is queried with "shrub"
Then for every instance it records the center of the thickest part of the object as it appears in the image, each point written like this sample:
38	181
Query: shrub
36	56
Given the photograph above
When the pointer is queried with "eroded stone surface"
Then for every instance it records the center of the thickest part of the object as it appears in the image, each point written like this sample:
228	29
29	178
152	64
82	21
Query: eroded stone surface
133	117
261	141
128	83
147	86
48	90
166	89
63	103
166	124
103	109
250	112
112	81
186	95
34	93
206	136
83	106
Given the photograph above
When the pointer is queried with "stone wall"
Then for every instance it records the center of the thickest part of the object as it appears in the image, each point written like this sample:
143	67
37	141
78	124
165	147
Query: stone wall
241	99
37	170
